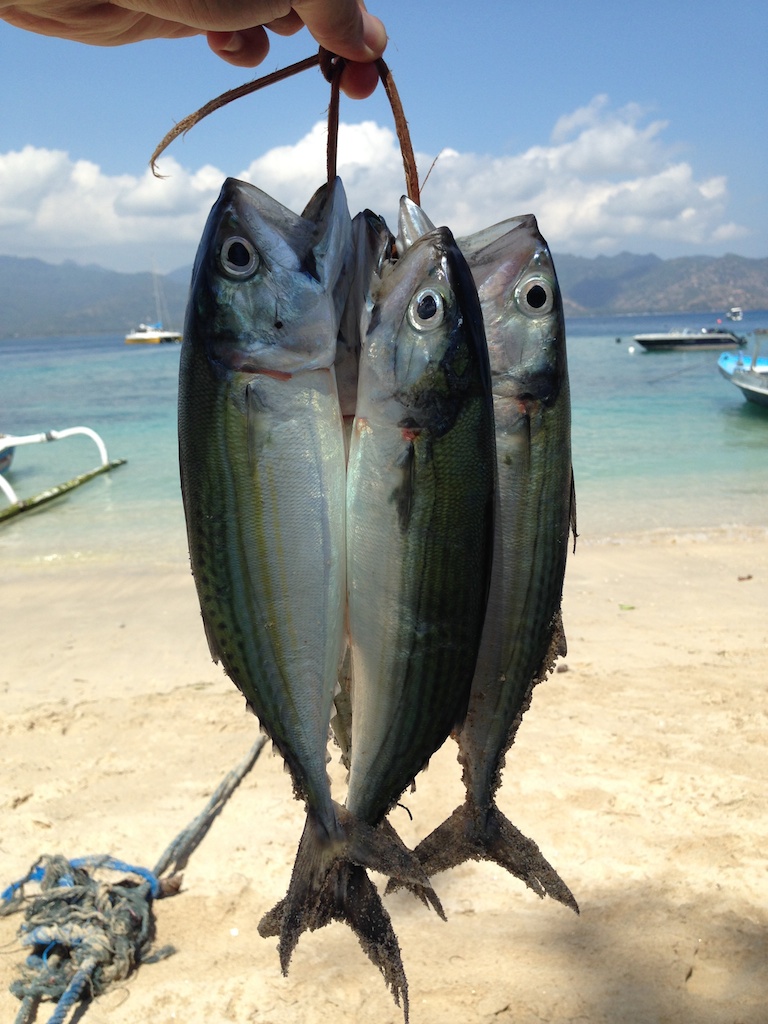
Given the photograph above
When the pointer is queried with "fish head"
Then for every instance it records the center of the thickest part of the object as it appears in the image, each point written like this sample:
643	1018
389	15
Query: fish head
424	347
412	223
522	310
268	285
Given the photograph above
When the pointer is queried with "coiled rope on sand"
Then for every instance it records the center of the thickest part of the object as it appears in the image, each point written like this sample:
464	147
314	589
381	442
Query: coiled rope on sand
87	932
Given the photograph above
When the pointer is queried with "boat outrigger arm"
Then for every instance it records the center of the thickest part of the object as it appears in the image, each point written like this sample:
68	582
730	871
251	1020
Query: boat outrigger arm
18	505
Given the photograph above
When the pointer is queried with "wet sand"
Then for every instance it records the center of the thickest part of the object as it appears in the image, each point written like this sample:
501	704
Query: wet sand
640	770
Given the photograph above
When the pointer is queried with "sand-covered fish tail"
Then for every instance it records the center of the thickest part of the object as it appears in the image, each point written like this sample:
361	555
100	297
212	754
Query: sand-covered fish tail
347	894
264	484
523	633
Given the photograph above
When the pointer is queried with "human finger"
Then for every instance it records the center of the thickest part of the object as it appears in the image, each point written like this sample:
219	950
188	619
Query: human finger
358	81
245	48
344	27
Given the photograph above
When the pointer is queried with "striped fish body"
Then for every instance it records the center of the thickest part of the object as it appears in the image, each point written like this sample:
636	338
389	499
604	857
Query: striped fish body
525	328
522	636
419	519
262	465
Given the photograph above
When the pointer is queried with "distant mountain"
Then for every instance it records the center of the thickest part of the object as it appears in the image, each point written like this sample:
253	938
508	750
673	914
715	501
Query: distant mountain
647	284
38	298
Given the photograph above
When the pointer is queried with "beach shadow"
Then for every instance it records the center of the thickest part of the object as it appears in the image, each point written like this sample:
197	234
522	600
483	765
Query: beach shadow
638	955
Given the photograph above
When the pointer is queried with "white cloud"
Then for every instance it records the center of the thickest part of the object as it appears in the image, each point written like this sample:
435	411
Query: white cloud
606	181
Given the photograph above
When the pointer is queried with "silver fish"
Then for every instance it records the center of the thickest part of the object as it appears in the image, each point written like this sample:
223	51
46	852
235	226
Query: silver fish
263	479
374	247
419	519
523	633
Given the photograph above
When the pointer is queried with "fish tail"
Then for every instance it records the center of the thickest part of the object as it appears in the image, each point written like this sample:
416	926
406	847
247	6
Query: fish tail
301	908
329	883
470	834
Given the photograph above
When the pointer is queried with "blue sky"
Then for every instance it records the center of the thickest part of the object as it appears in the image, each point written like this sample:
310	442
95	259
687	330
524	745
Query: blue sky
620	127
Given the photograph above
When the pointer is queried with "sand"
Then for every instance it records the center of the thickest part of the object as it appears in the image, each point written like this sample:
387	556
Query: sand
640	771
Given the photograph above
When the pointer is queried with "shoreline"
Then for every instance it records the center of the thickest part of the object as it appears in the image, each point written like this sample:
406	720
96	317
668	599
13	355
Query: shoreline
175	556
639	770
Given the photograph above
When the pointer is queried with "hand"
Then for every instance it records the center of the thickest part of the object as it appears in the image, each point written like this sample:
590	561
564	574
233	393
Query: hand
235	28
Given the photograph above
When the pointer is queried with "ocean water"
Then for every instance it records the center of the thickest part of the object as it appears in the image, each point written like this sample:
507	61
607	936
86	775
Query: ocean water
660	441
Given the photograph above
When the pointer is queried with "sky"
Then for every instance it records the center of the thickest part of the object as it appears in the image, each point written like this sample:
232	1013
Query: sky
640	128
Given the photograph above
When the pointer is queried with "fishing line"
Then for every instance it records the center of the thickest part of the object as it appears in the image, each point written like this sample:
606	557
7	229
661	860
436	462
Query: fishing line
675	373
431	168
188	122
403	134
331	66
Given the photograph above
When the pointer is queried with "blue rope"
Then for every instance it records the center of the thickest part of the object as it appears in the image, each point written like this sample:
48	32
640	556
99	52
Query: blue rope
72	993
93	861
35	874
82	933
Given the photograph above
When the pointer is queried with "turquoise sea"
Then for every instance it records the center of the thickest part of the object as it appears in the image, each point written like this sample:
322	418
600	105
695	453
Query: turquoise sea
660	441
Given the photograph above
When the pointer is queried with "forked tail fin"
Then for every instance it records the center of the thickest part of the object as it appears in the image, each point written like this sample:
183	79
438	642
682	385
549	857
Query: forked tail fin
329	883
489	835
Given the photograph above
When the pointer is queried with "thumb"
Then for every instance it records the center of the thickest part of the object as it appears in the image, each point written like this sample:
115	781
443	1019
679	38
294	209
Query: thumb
344	27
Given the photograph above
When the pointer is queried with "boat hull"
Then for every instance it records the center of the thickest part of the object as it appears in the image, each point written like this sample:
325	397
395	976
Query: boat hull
683	341
753	386
153	338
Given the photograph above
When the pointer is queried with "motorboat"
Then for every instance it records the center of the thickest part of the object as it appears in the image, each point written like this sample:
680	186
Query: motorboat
152	334
748	373
735	313
10	442
707	339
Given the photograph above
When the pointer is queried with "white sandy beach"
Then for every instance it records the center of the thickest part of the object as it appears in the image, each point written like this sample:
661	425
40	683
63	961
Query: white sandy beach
640	771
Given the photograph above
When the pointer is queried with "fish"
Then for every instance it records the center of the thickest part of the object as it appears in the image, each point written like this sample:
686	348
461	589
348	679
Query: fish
420	507
374	249
262	458
535	514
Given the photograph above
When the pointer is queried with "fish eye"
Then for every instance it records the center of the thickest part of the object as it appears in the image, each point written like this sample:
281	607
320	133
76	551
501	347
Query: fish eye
535	297
427	310
238	258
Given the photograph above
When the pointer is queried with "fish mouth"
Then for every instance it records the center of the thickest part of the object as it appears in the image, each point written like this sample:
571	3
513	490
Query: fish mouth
238	362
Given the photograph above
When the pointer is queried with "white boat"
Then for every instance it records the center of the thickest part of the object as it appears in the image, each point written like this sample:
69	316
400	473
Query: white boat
749	374
708	338
152	334
735	313
9	443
